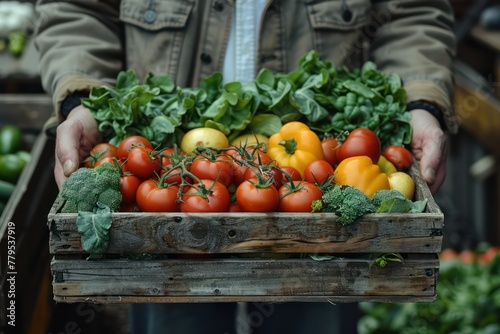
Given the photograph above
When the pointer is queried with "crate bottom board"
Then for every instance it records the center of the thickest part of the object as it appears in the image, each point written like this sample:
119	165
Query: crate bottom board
244	280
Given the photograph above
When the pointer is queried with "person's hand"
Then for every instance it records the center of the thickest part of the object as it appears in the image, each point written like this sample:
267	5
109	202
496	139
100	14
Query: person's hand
429	145
75	138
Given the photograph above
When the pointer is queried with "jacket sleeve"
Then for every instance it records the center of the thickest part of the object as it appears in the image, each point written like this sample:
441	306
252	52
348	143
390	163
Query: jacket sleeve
80	45
416	40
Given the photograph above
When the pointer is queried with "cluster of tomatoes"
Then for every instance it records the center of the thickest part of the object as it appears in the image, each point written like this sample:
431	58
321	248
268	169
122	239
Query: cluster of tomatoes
470	256
234	179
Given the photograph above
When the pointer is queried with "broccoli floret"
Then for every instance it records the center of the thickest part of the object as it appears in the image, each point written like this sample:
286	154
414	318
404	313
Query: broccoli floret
112	198
70	206
83	189
107	177
347	202
77	186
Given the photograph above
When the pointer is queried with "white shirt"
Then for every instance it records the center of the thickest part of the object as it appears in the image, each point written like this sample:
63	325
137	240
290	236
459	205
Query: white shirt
239	61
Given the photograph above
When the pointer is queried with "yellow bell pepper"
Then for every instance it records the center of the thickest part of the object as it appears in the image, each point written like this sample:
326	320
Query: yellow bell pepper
362	173
295	145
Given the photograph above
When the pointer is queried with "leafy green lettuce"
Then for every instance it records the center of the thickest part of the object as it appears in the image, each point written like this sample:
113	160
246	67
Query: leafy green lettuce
328	99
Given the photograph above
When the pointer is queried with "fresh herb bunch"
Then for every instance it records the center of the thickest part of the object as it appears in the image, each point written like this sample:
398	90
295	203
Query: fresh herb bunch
328	99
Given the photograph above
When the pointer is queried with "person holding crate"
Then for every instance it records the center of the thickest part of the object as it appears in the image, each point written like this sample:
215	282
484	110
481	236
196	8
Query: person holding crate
85	43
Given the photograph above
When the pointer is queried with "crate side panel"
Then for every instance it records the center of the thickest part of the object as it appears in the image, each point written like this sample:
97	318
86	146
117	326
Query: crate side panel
246	233
233	278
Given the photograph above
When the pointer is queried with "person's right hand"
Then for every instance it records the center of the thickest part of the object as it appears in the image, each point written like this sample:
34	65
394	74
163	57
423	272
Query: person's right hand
75	138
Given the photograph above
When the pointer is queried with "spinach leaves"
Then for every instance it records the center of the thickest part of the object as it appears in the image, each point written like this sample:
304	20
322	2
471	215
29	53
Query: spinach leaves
328	99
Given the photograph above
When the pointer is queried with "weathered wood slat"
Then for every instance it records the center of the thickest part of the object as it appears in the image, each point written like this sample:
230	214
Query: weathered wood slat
244	232
99	299
243	280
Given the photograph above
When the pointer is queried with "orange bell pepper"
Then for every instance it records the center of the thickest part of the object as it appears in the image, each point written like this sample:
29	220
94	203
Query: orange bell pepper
295	145
362	173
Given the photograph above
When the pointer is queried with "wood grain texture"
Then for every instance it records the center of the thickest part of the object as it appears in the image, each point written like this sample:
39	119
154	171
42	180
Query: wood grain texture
173	280
245	233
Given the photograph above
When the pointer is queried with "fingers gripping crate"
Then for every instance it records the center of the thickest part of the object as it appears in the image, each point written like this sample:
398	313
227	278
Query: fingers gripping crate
181	257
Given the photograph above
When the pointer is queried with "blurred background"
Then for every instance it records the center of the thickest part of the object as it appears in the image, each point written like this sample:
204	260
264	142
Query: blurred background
469	198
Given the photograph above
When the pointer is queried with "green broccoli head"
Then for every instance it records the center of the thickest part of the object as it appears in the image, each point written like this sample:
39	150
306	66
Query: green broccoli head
112	198
70	206
86	186
80	187
108	177
347	202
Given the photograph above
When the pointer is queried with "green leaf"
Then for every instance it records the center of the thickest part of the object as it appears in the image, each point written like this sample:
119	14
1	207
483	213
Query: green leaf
126	80
393	205
94	229
419	206
266	124
266	77
309	106
321	257
164	83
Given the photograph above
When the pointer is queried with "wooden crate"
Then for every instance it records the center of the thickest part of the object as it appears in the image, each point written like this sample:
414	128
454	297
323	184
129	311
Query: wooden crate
249	257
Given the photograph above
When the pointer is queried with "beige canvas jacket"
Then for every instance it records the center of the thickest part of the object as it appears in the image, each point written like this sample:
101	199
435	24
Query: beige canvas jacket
83	43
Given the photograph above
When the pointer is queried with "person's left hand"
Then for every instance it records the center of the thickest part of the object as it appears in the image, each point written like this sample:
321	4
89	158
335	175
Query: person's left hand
429	146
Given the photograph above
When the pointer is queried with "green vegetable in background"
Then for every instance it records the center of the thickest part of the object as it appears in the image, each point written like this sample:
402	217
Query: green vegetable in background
10	139
17	43
11	166
6	189
468	302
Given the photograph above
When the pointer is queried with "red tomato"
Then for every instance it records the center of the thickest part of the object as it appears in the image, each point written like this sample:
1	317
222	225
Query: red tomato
234	207
260	157
318	171
467	256
109	160
399	156
99	152
490	253
152	198
266	173
172	156
128	188
218	169
251	198
361	141
237	166
292	172
448	254
300	199
169	158
330	146
212	196
129	142
143	163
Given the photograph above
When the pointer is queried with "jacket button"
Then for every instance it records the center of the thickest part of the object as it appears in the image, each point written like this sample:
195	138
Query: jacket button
150	16
206	58
219	6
